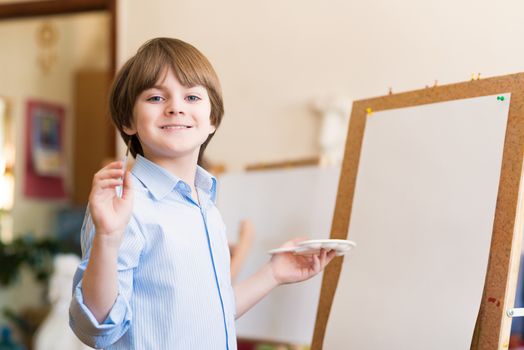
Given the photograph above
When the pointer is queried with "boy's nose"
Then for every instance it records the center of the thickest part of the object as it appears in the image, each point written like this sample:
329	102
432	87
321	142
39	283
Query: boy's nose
174	109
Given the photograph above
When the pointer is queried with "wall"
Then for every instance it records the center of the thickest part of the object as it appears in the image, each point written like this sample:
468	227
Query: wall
82	43
274	57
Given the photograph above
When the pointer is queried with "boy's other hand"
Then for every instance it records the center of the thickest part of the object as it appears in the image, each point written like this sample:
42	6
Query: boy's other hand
111	213
290	268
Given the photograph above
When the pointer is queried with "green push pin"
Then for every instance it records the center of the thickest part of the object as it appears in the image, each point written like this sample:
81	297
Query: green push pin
500	98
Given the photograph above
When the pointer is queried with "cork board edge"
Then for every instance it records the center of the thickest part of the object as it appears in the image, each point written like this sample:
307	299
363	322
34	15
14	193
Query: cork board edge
491	328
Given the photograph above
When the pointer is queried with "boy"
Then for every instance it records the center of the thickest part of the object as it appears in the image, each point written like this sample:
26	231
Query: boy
155	268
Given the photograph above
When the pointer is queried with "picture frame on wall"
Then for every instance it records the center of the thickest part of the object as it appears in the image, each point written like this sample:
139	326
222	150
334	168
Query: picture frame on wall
44	150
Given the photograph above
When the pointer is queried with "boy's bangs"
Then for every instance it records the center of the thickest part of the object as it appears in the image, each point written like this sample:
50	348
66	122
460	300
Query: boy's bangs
150	72
191	68
189	74
185	71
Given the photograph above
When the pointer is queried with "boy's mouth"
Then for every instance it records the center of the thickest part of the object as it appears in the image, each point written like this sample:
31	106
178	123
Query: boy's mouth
167	127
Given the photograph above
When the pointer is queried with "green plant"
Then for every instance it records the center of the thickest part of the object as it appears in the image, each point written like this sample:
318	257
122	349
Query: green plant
37	254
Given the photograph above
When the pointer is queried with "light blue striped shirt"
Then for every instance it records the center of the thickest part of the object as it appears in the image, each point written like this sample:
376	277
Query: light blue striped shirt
173	271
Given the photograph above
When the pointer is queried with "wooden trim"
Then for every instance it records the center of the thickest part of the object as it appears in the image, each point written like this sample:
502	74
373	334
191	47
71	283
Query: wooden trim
113	15
113	37
284	164
15	10
492	329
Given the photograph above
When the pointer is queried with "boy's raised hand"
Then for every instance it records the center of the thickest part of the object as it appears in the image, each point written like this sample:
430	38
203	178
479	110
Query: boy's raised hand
111	213
290	268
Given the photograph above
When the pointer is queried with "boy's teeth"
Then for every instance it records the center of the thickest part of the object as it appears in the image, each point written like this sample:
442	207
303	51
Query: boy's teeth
175	127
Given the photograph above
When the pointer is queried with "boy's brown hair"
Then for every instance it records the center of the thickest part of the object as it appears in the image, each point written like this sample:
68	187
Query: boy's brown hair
144	69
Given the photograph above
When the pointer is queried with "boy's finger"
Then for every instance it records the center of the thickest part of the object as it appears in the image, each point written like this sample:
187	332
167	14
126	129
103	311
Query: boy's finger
117	164
330	256
102	185
109	174
108	183
316	264
322	256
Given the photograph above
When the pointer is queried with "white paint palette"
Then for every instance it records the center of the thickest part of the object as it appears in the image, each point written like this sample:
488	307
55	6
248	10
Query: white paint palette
313	246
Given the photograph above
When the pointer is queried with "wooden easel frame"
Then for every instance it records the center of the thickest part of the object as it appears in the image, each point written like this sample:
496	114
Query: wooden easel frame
493	326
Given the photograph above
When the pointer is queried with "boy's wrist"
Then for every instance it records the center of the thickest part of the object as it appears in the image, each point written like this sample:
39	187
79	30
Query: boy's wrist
108	240
270	275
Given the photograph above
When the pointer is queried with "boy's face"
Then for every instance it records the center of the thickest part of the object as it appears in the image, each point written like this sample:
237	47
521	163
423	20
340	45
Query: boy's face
171	120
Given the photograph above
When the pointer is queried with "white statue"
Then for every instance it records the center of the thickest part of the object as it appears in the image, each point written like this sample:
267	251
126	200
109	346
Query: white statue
54	333
335	113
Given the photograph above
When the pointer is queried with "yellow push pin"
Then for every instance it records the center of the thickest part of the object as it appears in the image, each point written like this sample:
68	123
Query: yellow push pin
472	76
478	76
369	111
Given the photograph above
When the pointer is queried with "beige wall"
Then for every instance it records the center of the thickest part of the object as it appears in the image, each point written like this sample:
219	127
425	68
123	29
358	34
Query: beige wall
82	43
274	57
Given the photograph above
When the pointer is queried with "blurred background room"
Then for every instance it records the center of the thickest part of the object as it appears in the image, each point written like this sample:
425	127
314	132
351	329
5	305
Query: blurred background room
289	72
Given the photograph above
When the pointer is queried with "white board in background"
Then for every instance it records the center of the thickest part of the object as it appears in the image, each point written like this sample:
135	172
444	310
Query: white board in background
422	218
282	205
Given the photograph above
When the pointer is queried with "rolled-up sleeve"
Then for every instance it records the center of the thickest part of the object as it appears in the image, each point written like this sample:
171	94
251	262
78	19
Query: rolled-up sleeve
81	319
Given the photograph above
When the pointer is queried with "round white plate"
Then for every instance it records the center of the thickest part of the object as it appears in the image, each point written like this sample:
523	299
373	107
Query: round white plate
313	246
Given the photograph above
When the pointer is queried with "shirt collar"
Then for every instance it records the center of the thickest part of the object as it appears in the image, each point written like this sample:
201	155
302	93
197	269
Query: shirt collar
207	182
160	182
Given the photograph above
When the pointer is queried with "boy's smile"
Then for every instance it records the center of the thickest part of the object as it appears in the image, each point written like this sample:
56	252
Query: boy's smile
172	120
175	127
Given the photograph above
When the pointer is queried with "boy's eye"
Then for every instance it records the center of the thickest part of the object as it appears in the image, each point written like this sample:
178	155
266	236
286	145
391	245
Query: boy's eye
156	99
193	98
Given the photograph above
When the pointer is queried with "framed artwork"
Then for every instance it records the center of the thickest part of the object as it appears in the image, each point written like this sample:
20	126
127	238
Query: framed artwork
45	156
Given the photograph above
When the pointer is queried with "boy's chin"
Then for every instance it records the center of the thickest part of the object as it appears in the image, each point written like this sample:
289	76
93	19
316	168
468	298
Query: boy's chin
177	154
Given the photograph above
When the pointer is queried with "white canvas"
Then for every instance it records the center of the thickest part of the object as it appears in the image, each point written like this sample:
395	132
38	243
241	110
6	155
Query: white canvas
422	219
282	204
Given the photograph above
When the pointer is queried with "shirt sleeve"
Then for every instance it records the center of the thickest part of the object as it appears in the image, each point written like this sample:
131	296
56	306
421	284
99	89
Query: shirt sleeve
81	320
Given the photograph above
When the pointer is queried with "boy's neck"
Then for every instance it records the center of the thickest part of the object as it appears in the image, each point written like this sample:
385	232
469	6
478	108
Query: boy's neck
182	167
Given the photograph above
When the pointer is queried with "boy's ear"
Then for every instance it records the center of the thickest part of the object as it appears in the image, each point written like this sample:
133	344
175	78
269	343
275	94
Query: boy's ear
212	129
129	130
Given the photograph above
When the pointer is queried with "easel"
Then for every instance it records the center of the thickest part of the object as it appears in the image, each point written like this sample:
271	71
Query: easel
494	318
